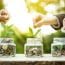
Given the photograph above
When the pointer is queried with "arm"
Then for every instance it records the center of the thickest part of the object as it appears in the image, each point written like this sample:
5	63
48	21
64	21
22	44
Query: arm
56	22
44	21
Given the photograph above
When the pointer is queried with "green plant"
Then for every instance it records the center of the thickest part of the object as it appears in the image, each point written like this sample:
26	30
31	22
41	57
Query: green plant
57	47
63	48
7	31
1	4
31	33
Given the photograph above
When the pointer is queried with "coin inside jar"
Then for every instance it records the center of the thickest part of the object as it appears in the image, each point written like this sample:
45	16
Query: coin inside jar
5	47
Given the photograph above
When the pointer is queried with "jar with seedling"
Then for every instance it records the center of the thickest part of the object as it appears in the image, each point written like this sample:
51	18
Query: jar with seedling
63	47
62	40
56	47
33	48
7	47
63	50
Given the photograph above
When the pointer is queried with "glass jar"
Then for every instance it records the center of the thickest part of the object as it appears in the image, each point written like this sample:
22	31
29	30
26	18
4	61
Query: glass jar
33	47
58	47
7	47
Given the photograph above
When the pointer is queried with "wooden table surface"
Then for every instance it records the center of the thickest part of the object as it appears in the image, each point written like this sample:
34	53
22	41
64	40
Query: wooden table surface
20	59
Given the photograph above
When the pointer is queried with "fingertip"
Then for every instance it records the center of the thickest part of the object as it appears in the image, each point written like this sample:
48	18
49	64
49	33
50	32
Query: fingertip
35	26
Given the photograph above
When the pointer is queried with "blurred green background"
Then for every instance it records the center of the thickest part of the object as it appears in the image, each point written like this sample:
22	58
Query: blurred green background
20	37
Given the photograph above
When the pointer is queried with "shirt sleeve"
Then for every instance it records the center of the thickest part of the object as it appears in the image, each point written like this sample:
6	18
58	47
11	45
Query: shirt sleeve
59	24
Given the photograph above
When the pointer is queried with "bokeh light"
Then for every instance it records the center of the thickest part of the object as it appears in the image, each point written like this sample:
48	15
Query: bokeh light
34	1
51	8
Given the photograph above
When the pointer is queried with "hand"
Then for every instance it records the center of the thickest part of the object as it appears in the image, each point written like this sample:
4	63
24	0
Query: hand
44	20
37	21
3	16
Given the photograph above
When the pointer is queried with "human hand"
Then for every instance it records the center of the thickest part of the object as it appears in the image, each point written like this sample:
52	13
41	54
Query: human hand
4	16
37	21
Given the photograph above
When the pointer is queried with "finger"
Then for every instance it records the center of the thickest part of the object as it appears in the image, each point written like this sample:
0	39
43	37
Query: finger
37	18
4	18
39	24
3	11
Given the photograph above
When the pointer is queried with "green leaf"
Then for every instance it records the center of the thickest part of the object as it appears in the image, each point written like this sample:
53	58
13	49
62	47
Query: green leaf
30	31
37	32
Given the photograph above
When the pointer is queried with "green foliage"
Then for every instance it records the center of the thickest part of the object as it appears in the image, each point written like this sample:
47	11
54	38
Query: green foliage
1	4
40	5
35	7
31	33
7	31
61	9
63	48
57	47
47	40
59	33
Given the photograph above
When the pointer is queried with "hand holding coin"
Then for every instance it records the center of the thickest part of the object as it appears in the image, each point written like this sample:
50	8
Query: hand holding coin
4	16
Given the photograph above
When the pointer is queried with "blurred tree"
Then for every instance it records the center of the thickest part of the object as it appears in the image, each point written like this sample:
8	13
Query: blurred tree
35	6
39	5
1	4
50	1
61	6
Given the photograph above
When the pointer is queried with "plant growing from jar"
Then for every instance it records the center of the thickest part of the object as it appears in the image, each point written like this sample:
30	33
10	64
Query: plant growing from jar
56	50
33	47
63	50
7	46
4	16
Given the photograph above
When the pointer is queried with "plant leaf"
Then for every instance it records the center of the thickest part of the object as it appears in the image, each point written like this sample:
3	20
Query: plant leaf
30	31
37	32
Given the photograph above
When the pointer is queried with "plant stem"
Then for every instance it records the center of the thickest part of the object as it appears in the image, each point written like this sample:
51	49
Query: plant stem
4	29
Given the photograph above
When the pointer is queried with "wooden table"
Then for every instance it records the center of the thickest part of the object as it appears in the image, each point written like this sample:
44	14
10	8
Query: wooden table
20	59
